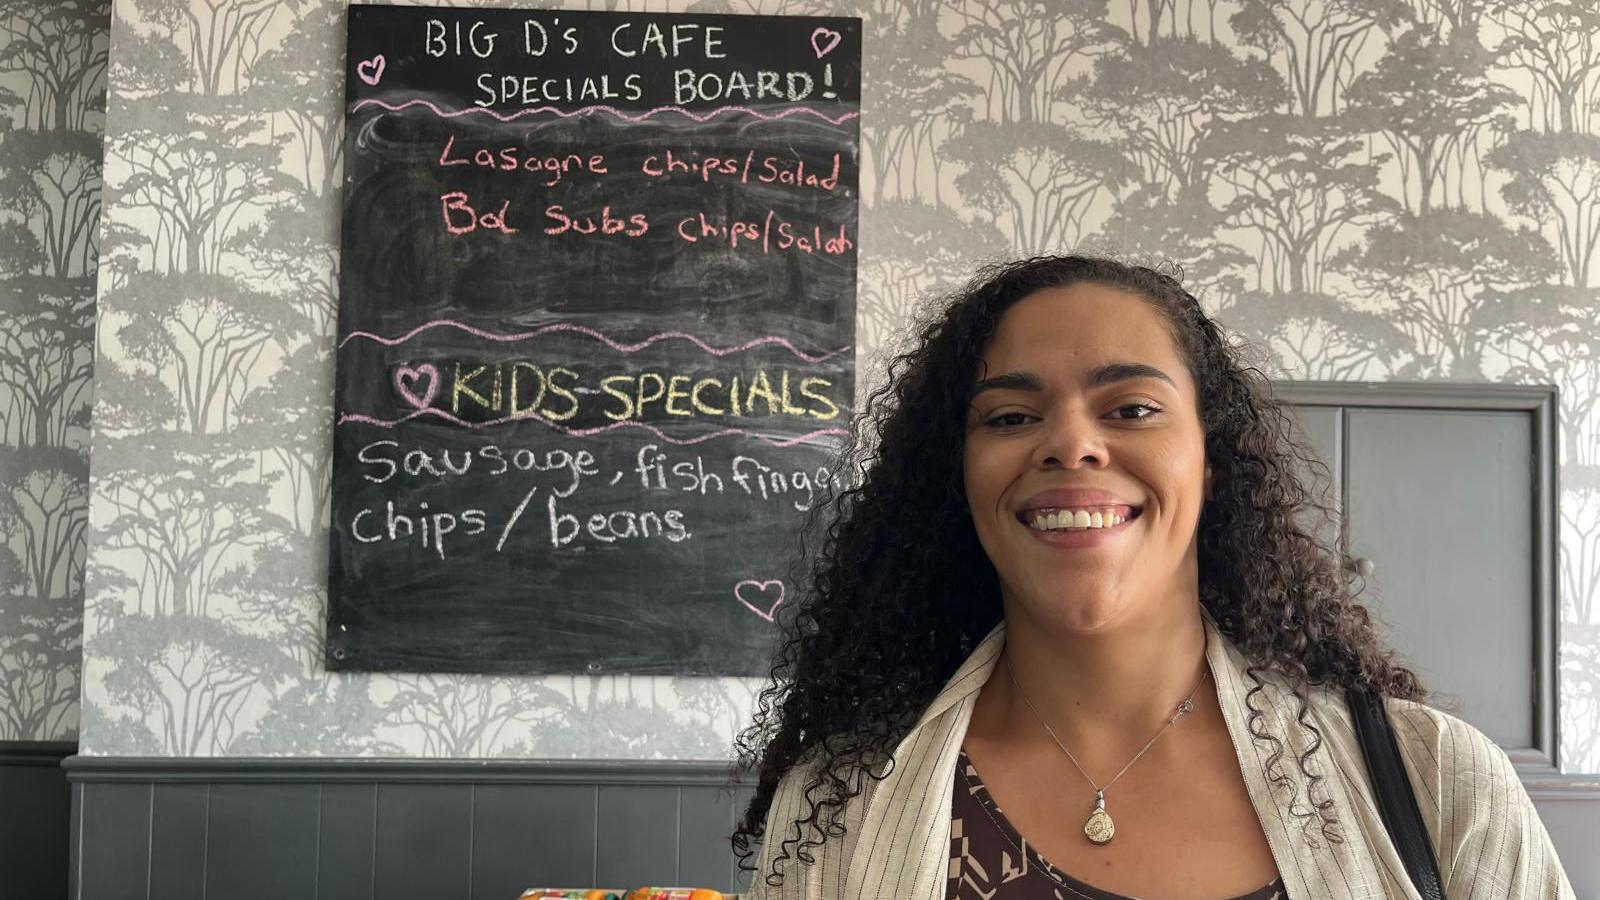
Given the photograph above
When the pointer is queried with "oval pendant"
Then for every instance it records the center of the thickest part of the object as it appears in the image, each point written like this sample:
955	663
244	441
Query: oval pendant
1099	828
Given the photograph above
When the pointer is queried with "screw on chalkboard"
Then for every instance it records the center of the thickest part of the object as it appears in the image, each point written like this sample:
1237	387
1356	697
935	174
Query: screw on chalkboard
338	653
593	667
827	80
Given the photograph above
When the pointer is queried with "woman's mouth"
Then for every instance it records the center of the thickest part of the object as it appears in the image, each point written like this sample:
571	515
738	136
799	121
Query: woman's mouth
1088	518
1081	528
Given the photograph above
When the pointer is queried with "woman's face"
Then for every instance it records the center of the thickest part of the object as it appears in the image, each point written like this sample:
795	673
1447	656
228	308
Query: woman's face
1082	402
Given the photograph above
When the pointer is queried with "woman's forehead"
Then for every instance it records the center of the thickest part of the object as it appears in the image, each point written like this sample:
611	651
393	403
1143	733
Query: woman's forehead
1083	327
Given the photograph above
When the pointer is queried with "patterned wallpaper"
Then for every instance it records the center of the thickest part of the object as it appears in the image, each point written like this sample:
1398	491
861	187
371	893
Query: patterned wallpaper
1373	189
52	120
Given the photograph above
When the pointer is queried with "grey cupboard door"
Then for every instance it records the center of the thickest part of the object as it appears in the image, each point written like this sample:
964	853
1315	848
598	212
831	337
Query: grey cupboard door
1441	502
1321	428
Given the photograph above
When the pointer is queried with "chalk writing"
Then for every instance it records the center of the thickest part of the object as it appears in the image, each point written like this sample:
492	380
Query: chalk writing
723	112
518	387
558	475
768	233
620	346
461	218
512	159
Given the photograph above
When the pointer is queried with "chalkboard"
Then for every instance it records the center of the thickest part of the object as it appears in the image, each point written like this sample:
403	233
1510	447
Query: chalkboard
596	336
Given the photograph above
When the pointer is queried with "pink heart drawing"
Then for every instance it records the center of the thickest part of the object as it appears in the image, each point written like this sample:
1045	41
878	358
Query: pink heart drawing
370	70
761	586
404	374
823	40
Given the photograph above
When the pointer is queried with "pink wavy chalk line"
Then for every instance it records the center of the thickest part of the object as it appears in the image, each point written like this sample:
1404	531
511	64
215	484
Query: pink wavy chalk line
630	117
585	432
615	345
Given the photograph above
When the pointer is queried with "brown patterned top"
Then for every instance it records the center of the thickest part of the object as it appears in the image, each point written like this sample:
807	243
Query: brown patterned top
989	860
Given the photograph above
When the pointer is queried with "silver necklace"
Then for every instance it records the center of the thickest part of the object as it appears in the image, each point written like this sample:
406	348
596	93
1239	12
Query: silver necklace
1099	828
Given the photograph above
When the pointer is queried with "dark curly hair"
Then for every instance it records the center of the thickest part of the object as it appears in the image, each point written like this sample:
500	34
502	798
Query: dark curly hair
896	546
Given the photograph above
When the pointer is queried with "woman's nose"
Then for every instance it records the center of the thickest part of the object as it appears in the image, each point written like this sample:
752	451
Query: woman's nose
1069	439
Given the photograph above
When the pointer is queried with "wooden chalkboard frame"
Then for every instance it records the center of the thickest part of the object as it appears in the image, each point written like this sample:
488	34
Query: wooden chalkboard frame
596	337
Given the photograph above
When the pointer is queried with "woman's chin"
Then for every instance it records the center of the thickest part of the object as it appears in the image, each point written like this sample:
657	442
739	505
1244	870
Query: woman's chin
1078	613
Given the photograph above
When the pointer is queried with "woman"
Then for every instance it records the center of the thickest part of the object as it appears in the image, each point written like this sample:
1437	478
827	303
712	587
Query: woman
1069	636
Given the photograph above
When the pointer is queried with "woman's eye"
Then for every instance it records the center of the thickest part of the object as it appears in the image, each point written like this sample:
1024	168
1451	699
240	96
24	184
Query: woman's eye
1000	421
1152	410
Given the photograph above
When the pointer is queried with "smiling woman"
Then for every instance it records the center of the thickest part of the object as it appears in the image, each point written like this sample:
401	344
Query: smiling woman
1113	661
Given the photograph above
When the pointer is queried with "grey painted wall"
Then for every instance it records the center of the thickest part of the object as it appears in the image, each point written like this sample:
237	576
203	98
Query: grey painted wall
1395	190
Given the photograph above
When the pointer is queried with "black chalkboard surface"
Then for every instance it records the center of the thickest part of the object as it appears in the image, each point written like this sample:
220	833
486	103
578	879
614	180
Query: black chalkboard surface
596	334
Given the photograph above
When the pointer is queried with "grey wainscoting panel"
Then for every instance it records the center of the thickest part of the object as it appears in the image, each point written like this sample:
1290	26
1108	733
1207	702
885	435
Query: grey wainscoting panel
742	795
270	829
262	840
532	835
705	822
636	841
35	803
113	840
346	829
1571	813
527	827
424	841
178	841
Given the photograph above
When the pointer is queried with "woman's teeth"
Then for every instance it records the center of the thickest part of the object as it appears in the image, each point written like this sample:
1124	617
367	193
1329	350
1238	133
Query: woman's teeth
1074	519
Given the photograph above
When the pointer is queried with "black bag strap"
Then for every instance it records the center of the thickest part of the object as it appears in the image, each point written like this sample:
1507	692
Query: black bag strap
1396	801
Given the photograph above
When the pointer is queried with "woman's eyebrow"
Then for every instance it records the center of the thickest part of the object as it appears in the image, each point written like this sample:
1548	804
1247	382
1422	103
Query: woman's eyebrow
1010	381
1098	377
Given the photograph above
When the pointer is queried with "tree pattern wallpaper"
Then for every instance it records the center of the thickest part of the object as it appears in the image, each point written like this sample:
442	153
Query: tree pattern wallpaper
1370	189
52	123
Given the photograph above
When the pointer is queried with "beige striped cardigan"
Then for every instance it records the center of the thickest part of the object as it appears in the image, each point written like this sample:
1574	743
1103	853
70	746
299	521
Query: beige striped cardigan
1488	839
